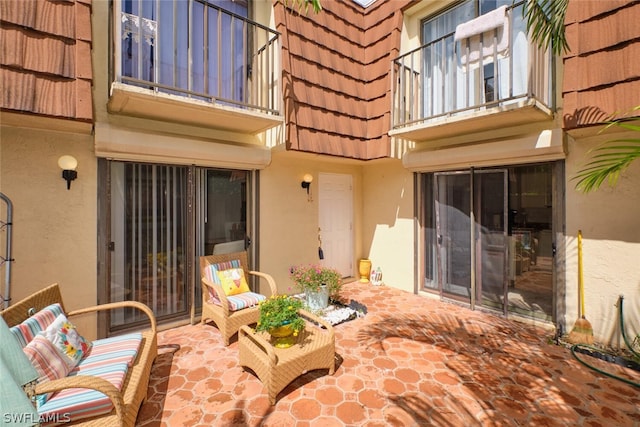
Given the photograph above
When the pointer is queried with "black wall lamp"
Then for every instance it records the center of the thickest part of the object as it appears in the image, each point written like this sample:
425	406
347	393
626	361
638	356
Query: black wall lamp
306	183
68	164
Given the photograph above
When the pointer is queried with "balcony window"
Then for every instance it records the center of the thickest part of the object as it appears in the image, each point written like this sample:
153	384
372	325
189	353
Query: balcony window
474	56
206	50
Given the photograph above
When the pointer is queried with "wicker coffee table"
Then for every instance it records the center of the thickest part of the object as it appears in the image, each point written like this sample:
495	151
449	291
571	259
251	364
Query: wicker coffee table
277	367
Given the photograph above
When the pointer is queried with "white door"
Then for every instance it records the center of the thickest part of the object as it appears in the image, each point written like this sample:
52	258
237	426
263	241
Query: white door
335	196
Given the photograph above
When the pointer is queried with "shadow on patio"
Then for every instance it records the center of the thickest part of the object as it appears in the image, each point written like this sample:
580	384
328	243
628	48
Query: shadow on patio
410	361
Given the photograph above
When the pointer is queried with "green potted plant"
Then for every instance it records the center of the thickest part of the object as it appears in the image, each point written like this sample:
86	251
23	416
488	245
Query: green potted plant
316	280
279	317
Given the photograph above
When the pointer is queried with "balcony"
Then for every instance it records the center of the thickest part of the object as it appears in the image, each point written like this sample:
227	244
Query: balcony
470	81
194	63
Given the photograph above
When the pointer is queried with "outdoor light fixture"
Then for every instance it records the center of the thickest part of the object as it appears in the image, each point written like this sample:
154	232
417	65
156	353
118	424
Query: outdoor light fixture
306	183
68	165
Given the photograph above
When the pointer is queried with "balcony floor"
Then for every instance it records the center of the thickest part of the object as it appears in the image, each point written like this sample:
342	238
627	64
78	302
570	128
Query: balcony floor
410	361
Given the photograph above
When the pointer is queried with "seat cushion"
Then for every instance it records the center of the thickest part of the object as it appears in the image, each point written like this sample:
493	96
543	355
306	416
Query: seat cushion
78	403
121	348
244	300
25	331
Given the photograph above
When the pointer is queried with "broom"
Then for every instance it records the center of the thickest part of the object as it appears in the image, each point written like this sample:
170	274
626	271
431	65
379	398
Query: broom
582	332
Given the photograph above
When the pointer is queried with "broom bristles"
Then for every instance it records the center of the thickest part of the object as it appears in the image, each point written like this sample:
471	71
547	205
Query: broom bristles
582	332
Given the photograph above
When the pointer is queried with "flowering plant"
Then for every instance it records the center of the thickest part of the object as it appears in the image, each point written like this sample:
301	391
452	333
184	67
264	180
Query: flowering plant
308	278
279	310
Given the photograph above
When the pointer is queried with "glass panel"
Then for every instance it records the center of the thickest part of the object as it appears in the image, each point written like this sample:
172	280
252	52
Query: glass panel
148	223
454	235
225	226
531	256
491	231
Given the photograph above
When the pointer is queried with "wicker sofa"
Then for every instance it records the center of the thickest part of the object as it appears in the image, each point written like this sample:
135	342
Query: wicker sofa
123	395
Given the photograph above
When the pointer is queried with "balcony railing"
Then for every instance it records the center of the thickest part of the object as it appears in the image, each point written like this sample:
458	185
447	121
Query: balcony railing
449	77
199	51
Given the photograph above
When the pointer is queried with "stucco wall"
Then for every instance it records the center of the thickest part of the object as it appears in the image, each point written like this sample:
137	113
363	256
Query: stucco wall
289	223
388	222
382	211
54	230
610	224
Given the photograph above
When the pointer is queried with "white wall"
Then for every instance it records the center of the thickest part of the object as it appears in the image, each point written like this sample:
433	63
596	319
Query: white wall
610	222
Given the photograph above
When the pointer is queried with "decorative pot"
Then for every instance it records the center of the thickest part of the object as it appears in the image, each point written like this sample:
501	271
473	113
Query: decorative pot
364	268
282	336
318	300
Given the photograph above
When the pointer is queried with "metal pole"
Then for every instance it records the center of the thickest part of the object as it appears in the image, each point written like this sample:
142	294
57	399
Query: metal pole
7	281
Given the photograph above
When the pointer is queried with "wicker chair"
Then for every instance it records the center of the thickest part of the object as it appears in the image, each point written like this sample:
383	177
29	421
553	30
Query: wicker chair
219	308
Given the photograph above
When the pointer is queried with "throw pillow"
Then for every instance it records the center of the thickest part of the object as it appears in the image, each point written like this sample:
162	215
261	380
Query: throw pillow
65	337
233	281
47	361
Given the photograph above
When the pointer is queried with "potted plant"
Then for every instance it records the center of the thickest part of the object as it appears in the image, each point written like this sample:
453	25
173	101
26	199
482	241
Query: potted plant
279	317
318	283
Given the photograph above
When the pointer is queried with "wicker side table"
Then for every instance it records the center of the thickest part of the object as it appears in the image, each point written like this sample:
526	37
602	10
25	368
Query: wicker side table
277	367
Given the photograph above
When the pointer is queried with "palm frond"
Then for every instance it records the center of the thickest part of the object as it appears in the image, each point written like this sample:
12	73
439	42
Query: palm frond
608	162
304	4
545	23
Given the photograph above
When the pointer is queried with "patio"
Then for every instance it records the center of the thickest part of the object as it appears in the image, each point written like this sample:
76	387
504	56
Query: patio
411	361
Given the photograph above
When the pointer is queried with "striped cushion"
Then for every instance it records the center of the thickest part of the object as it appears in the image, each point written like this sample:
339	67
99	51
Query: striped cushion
77	403
122	348
28	329
247	299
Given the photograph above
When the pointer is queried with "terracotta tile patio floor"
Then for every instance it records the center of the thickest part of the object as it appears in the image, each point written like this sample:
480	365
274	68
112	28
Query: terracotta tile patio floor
411	361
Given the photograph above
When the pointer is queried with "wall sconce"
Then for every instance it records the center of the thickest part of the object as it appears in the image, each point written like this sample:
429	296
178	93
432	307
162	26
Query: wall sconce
68	165
306	183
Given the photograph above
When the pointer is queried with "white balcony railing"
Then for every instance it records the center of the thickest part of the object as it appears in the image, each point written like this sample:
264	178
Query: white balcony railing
461	74
194	49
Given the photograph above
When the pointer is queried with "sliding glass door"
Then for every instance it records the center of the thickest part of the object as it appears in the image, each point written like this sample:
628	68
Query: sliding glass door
453	211
487	237
161	219
148	239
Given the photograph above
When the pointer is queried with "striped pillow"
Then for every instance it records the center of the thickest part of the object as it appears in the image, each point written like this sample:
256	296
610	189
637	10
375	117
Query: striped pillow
48	362
28	329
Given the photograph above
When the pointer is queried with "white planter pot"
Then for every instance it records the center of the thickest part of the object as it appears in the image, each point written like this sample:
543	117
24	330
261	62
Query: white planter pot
318	300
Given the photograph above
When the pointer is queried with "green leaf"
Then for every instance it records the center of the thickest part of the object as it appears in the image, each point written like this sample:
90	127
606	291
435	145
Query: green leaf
545	23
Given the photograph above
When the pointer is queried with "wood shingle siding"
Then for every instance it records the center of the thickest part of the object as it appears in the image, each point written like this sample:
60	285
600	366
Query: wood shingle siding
336	83
45	57
602	71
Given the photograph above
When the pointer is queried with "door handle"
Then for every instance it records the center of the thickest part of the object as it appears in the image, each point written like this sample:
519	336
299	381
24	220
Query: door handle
247	241
553	249
439	239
